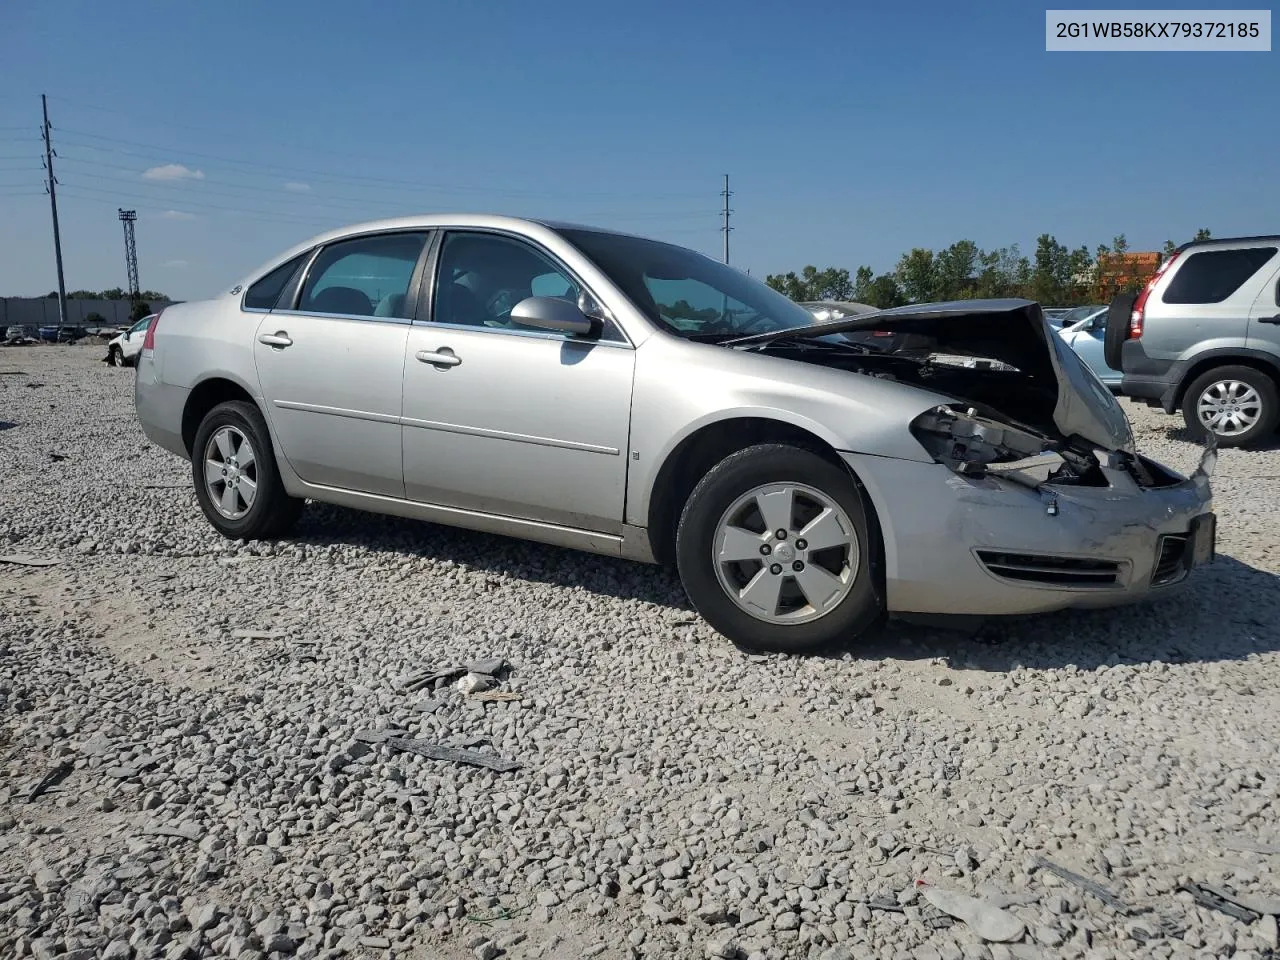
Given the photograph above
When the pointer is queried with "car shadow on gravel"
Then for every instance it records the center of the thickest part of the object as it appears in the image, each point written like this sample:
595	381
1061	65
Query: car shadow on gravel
1229	611
323	524
1183	435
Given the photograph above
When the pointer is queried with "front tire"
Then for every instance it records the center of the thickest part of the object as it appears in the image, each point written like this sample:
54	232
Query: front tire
1237	404
115	357
774	549
235	474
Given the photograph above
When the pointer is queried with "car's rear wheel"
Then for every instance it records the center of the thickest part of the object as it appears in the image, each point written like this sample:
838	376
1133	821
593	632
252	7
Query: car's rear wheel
235	474
775	551
1238	405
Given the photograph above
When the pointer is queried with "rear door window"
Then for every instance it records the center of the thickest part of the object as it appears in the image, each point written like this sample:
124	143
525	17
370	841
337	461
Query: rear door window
364	277
1214	275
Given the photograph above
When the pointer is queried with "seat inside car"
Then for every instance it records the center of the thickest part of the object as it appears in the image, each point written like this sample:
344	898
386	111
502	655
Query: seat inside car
346	300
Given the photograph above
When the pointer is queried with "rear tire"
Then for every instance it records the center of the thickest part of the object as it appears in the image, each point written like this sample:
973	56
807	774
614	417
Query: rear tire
779	593
234	470
1245	399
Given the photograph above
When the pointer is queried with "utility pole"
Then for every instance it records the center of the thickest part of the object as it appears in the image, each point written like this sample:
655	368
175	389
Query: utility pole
726	228
51	185
128	218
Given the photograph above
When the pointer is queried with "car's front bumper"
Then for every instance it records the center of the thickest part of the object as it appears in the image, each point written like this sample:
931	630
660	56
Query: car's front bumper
961	546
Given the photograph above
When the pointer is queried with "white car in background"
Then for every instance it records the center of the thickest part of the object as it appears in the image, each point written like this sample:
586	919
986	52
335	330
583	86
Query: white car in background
122	351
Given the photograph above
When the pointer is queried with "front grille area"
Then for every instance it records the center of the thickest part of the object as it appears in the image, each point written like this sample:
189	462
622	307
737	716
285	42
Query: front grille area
1051	571
1169	559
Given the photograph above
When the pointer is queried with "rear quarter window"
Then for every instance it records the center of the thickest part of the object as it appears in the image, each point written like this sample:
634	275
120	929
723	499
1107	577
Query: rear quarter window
264	294
1214	275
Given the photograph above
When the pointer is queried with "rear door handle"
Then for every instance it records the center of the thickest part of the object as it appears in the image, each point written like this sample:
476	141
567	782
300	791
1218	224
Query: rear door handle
277	339
1275	319
444	357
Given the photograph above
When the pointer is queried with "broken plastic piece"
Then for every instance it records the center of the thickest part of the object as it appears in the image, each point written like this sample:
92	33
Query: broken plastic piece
986	920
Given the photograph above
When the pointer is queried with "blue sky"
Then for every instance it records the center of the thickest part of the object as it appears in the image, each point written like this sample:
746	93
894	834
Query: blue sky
851	133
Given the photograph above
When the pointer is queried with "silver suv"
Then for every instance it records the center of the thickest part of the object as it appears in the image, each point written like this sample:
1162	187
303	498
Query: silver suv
1204	337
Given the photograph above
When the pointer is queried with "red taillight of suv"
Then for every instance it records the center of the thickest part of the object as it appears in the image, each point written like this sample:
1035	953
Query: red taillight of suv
149	341
1140	305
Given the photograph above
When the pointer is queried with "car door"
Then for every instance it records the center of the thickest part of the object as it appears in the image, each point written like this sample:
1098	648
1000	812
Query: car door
1264	316
1086	339
331	362
510	420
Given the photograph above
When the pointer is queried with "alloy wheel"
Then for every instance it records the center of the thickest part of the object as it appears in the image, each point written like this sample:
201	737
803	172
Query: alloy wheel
230	472
1229	407
786	553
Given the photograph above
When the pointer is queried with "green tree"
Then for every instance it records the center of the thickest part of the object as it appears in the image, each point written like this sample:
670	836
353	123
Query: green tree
1002	273
863	279
1120	244
1203	234
115	293
141	308
813	284
1051	277
917	276
954	270
884	293
1082	269
1170	248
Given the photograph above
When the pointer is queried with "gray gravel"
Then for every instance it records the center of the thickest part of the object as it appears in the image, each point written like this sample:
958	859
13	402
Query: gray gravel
232	710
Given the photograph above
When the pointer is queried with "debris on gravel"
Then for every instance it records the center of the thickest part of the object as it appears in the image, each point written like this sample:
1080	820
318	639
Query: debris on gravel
233	723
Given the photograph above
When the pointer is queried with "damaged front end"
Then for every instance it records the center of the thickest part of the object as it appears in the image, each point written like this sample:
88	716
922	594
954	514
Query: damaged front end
976	446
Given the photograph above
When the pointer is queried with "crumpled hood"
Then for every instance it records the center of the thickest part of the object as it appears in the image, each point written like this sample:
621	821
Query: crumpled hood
1013	331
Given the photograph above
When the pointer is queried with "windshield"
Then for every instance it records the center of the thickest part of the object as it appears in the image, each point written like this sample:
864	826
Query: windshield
1078	314
686	293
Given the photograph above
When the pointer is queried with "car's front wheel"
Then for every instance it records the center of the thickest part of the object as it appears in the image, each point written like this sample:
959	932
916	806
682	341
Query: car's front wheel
235	474
775	551
115	357
1237	404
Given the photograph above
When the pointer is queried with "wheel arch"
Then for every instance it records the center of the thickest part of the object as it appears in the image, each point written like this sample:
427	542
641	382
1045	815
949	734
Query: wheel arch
206	395
1258	360
702	448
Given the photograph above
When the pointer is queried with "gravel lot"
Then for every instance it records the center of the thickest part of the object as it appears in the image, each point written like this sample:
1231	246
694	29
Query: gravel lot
675	798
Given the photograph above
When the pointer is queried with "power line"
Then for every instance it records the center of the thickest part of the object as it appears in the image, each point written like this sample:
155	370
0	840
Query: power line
52	186
310	151
160	153
182	192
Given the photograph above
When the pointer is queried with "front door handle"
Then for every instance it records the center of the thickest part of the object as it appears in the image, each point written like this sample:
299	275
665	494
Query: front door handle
278	339
1275	319
444	357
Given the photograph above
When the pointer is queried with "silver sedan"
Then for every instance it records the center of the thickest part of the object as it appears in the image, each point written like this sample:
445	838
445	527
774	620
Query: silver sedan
629	397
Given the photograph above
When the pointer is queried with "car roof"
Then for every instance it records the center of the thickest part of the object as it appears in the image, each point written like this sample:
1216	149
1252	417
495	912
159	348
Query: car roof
423	221
1226	241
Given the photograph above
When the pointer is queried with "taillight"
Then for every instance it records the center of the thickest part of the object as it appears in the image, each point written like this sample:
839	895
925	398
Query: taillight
1140	305
149	341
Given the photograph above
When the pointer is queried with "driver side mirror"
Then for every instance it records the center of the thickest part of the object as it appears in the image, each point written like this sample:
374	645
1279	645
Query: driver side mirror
553	313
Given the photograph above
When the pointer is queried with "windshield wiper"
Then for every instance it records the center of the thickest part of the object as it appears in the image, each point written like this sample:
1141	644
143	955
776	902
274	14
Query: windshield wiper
807	343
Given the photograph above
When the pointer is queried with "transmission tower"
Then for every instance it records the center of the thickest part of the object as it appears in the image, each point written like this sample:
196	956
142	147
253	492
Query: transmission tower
726	193
128	218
